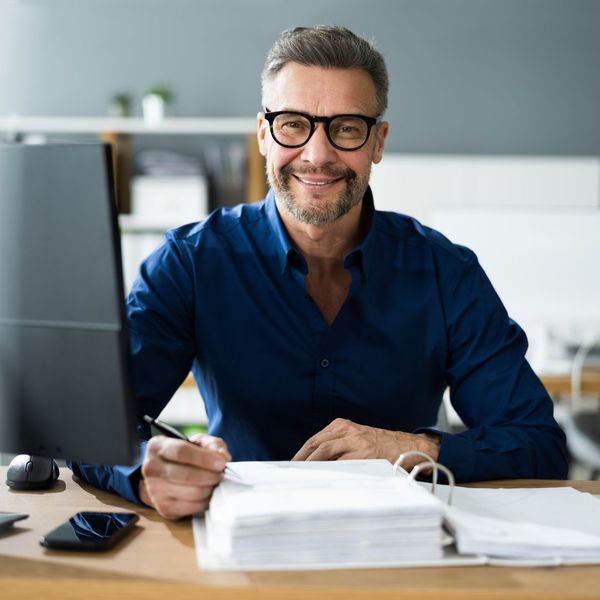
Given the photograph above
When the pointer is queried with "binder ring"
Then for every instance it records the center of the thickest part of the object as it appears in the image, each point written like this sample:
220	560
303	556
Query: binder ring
435	466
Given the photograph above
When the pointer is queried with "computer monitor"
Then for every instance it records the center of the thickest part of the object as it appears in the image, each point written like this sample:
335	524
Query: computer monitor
64	376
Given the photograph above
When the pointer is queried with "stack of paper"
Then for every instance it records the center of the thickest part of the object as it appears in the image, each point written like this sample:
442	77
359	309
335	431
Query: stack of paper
561	525
273	515
351	514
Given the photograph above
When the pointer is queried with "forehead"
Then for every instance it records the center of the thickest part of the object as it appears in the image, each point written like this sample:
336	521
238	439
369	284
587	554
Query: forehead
321	91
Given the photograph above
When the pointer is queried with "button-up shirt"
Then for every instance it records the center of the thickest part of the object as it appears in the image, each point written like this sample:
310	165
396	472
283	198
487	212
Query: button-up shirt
226	297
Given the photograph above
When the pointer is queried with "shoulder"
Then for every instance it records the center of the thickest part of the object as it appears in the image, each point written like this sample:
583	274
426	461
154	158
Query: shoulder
402	230
222	225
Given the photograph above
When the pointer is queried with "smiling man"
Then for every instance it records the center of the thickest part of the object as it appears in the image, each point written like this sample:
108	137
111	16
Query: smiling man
318	328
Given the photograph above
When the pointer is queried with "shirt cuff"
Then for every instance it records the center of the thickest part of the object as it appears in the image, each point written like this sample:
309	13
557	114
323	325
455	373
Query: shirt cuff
119	479
456	453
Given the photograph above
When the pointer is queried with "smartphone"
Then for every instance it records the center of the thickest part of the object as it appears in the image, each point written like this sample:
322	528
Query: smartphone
90	531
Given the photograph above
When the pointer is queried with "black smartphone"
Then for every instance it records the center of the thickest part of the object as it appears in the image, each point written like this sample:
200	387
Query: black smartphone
90	531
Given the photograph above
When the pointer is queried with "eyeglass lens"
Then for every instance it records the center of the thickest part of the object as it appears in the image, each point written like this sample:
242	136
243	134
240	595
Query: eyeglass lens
293	129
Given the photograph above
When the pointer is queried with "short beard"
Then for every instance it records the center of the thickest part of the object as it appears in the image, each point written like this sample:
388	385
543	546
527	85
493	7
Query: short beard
321	215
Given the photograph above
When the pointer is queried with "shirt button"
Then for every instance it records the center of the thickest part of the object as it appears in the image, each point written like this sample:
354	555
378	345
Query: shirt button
324	363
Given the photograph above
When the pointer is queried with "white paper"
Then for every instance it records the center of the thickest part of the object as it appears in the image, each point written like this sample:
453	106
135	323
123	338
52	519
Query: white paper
352	514
335	513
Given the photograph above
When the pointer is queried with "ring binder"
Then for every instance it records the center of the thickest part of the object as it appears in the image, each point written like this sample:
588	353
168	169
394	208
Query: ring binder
356	514
435	466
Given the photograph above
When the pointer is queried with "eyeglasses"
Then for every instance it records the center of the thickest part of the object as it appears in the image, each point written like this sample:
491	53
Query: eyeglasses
344	132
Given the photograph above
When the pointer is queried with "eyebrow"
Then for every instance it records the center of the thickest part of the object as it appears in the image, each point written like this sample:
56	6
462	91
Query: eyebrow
305	112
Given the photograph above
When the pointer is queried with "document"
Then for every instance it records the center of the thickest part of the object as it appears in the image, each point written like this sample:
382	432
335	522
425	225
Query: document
559	525
362	514
287	514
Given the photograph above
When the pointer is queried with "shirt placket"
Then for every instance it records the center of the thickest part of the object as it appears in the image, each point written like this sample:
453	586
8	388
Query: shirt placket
326	342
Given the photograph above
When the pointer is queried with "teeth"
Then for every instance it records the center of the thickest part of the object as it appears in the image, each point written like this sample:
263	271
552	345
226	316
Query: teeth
315	182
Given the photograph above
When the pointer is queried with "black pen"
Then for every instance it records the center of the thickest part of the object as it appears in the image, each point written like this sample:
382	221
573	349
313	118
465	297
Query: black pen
166	429
171	432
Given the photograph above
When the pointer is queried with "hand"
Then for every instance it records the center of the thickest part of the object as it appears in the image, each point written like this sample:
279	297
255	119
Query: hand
343	439
178	478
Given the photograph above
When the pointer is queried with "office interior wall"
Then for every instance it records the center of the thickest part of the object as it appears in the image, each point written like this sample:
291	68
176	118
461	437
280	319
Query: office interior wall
534	223
418	184
467	76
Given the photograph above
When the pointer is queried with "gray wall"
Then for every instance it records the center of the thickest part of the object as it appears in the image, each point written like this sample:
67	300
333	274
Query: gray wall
468	76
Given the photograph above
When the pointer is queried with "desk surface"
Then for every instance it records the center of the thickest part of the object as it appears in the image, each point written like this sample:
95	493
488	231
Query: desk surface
159	561
560	384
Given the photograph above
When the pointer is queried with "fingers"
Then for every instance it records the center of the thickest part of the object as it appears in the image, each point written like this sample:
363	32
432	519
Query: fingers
343	439
212	443
179	477
172	502
331	443
165	449
327	450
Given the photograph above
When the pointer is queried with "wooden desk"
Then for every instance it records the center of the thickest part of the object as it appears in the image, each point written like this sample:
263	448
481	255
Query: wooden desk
158	561
560	385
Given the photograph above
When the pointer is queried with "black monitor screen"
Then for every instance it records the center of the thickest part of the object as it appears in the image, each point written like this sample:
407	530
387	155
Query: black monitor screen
64	381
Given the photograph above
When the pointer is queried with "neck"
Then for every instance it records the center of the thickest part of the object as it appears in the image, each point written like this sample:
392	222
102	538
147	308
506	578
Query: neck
325	246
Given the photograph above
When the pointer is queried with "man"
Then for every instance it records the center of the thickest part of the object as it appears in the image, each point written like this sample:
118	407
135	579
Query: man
318	328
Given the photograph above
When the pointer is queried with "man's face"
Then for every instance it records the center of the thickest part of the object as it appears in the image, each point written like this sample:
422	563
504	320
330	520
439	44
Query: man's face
317	183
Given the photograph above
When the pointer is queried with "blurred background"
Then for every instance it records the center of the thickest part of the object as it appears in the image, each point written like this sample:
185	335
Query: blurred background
494	112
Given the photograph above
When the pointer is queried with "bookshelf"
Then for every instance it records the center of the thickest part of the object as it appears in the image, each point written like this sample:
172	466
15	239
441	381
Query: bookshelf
119	131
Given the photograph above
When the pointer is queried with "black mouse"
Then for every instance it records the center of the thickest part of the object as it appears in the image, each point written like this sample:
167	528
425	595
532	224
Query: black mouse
28	472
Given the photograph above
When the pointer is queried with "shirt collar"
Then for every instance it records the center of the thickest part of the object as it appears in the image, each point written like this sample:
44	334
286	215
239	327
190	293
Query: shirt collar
362	254
290	257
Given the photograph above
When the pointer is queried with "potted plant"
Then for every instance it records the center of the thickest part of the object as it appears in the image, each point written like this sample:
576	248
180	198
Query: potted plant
154	103
120	105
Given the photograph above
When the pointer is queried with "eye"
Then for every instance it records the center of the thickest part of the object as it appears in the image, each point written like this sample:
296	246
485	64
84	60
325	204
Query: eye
292	124
348	128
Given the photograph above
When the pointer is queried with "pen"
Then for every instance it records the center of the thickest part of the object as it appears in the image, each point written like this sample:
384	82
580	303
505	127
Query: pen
166	429
169	431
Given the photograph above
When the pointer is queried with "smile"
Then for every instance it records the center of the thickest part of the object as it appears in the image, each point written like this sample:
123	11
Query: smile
317	182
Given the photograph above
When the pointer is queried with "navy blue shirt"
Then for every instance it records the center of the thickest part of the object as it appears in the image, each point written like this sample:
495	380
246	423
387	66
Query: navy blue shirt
226	298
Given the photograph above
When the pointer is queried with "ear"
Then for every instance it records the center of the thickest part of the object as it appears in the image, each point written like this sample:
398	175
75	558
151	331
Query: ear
382	131
262	128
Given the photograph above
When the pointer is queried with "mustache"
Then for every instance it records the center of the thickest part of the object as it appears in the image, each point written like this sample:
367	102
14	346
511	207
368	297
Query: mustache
347	173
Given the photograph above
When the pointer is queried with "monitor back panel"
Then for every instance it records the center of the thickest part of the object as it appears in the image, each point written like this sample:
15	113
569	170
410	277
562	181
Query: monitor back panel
64	381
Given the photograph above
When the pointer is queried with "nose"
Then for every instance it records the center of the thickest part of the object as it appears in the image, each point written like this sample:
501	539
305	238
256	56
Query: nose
318	151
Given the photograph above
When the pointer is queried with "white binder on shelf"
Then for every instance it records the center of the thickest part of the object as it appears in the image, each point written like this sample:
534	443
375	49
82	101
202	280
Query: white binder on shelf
368	514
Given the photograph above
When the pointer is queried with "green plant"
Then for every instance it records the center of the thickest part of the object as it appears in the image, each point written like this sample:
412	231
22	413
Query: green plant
122	102
164	91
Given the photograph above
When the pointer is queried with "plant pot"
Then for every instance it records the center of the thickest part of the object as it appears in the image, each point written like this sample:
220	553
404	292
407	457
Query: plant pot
153	109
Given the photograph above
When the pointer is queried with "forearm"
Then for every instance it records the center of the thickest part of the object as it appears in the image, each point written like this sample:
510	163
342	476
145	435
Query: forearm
505	452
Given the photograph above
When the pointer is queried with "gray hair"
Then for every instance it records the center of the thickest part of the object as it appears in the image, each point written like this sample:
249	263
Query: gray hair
328	46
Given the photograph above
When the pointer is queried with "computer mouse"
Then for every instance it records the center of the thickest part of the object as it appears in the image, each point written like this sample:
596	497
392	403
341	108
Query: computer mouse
28	472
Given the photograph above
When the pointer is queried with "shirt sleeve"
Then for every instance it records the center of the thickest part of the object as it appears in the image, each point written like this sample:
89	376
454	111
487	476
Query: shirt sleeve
511	431
160	315
121	480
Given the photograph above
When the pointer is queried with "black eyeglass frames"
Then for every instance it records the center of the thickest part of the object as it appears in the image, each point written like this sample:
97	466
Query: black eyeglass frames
344	132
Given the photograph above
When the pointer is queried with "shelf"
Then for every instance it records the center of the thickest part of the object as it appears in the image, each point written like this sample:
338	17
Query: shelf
119	132
129	125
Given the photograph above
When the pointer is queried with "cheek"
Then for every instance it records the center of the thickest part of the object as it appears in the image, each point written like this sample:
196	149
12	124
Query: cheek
278	157
360	164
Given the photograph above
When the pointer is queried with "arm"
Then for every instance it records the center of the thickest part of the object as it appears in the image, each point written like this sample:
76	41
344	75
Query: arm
160	309
512	432
509	415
